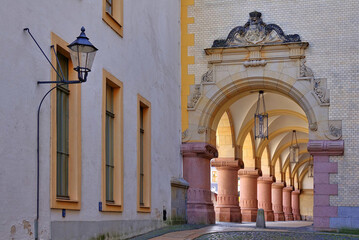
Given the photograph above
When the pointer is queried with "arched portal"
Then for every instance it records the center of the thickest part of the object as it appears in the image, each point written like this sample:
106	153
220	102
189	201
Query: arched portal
236	73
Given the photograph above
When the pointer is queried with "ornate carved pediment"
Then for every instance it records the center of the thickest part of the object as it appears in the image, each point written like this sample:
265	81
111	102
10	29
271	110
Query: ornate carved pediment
255	31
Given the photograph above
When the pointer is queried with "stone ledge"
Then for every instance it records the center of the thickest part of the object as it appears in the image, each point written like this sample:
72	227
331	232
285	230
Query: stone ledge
326	148
179	183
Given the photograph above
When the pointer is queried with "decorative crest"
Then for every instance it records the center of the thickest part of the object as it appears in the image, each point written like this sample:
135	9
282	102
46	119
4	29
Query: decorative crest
255	31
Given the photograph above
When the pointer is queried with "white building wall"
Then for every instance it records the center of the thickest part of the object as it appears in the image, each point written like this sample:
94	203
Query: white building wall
146	60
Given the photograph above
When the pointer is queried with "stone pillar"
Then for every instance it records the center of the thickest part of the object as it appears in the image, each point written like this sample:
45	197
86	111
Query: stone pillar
295	205
287	203
227	208
248	194
196	171
321	150
264	190
277	201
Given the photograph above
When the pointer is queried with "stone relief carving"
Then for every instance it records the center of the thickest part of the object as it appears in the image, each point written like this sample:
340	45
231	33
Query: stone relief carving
320	90
255	31
255	63
202	130
305	72
334	129
319	84
208	76
194	97
313	126
186	135
211	150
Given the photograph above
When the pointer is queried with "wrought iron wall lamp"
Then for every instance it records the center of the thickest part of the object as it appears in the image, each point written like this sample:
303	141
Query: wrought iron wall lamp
82	54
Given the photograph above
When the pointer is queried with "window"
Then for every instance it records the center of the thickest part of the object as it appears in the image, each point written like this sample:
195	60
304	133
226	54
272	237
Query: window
112	142
65	190
144	155
62	133
112	14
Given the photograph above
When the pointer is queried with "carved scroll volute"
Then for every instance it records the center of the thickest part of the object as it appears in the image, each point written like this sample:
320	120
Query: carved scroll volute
334	131
195	95
320	90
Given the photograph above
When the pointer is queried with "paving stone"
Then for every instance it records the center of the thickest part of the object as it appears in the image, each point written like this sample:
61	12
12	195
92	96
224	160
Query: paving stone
258	235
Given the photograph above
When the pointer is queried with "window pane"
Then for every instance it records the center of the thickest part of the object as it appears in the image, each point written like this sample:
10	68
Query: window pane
141	156
109	6
109	144
62	131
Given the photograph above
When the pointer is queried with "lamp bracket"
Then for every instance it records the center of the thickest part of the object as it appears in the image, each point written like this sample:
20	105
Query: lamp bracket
63	80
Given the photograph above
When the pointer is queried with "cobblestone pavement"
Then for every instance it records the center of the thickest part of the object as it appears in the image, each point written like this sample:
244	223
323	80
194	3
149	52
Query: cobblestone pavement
259	235
300	230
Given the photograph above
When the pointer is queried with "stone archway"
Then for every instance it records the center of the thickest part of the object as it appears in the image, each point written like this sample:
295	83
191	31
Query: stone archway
235	71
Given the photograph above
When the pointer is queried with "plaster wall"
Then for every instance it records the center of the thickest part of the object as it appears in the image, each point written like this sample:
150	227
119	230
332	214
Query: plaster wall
306	203
146	60
331	30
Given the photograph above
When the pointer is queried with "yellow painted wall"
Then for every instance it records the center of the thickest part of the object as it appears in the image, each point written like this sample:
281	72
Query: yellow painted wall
306	202
186	41
224	138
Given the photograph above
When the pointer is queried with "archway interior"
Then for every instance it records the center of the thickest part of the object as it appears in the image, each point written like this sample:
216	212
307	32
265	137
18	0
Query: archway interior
235	130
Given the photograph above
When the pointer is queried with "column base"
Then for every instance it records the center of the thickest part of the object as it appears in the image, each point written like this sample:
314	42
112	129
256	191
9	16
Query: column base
249	215
200	213
288	217
279	217
228	214
269	215
296	216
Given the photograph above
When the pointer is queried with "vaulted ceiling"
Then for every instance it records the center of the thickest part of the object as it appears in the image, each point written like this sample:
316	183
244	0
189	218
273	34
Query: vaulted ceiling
236	130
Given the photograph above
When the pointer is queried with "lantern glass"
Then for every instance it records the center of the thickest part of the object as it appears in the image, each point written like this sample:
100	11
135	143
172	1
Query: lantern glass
260	119
81	58
82	55
261	126
294	153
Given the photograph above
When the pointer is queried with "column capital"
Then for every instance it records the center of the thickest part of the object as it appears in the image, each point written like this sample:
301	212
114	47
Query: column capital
249	172
326	147
227	163
200	149
288	189
278	185
296	192
265	179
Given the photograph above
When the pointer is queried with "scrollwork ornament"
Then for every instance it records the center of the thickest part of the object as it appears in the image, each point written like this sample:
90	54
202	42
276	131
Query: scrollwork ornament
202	130
211	150
334	130
305	72
255	31
186	135
208	76
313	126
319	91
194	97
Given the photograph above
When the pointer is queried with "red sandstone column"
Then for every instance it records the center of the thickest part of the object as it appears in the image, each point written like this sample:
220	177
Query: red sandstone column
295	205
287	203
227	208
248	194
196	171
321	150
277	201
264	190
